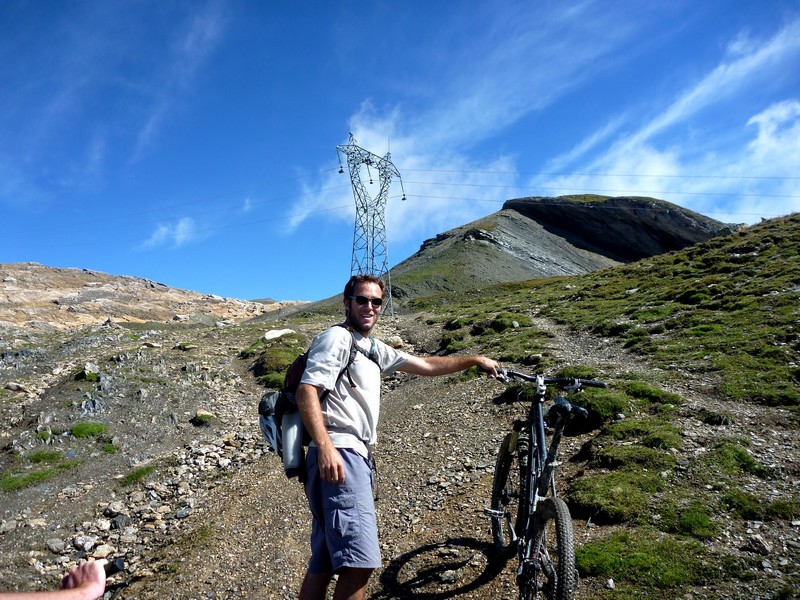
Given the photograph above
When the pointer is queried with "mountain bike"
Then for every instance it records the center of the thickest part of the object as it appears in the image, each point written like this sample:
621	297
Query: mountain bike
527	515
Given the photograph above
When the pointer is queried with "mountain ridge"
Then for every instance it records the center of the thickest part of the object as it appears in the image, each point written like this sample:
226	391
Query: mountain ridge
537	237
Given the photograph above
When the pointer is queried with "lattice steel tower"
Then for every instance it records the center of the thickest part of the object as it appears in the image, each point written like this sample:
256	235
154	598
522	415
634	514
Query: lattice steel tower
370	250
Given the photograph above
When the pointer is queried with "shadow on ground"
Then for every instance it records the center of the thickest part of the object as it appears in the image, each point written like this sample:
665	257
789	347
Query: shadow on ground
443	570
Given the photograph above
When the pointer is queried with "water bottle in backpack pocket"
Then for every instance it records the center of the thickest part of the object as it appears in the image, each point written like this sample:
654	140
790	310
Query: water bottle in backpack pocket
292	433
283	430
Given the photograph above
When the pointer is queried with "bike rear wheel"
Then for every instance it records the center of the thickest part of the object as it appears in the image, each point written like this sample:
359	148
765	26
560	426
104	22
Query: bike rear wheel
553	553
509	498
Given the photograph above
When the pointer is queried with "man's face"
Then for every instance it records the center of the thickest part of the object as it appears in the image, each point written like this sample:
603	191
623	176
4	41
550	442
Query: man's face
363	316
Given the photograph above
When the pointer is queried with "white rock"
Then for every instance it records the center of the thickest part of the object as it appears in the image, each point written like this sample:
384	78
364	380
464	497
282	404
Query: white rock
276	333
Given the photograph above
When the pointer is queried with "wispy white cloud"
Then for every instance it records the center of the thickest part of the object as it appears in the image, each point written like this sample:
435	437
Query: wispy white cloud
751	177
187	52
729	77
172	235
527	61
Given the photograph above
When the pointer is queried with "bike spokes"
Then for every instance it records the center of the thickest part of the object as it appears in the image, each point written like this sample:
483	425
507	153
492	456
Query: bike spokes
507	500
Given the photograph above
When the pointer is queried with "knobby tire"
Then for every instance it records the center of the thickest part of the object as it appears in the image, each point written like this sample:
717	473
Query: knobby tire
554	549
508	496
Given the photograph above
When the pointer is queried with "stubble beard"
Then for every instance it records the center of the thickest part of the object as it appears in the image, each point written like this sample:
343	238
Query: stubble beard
360	328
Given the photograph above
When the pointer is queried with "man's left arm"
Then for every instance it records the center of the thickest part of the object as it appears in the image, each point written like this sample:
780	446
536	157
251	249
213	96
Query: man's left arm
444	365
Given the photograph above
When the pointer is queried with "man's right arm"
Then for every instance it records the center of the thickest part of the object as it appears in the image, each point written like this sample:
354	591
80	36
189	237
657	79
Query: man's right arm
331	467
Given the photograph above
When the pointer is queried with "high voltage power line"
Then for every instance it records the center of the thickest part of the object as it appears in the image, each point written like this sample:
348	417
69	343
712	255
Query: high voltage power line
524	190
578	174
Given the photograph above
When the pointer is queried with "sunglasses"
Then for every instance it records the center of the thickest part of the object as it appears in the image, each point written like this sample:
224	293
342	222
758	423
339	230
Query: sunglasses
376	302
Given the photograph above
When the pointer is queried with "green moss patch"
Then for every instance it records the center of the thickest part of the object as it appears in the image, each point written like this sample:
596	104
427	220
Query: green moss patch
687	516
273	357
634	456
652	432
88	429
647	561
137	475
32	473
617	497
752	507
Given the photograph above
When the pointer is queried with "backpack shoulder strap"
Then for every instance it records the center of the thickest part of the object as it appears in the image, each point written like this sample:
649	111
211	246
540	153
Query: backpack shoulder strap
372	354
356	349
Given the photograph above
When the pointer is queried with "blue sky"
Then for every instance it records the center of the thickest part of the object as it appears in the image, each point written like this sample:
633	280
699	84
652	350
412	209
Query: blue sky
194	143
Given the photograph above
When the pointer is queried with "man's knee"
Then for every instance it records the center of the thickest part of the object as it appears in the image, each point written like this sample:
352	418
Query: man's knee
355	574
352	583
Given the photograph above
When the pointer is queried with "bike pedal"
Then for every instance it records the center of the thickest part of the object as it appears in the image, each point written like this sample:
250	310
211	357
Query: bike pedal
495	514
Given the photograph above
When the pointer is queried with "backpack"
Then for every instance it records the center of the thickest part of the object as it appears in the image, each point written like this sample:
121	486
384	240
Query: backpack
274	405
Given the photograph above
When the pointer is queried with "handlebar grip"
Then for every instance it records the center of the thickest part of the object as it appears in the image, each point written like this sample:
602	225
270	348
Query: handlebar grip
593	383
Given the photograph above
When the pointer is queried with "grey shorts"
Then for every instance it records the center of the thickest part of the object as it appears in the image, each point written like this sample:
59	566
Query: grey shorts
344	528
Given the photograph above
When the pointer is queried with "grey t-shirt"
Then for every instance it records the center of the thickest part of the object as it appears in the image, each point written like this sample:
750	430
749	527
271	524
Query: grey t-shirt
350	412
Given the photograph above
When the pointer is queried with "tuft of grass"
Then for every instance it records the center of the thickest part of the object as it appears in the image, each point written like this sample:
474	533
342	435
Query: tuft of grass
578	372
730	459
710	417
12	481
88	429
644	391
752	507
273	357
46	456
651	432
137	475
605	403
686	515
634	456
203	419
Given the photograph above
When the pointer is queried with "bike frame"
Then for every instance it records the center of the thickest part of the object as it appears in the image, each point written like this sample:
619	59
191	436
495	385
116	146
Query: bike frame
542	462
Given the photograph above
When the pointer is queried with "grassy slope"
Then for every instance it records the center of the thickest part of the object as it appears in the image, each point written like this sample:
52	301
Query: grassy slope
727	309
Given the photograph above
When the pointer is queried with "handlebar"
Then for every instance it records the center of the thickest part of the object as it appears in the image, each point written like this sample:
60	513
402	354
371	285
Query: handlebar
563	382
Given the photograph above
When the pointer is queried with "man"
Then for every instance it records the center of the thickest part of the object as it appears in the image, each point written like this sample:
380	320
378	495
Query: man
344	536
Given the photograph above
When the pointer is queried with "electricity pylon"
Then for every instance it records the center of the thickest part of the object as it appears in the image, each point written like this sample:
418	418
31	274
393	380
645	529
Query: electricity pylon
370	250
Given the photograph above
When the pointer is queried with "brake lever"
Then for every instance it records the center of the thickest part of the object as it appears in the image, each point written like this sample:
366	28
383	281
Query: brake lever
502	375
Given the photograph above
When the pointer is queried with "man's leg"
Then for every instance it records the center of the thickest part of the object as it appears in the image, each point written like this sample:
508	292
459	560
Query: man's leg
315	586
352	584
344	530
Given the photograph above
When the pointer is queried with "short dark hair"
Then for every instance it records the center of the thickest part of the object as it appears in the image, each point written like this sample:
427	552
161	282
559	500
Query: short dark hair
363	278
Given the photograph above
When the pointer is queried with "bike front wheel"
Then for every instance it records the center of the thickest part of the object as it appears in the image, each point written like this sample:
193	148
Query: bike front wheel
508	495
552	553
